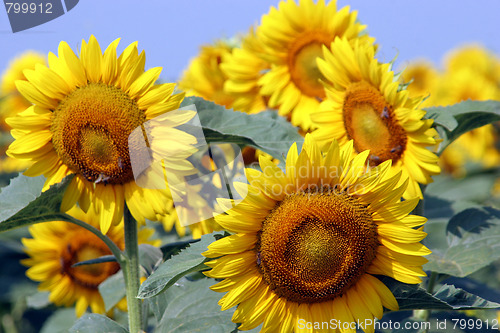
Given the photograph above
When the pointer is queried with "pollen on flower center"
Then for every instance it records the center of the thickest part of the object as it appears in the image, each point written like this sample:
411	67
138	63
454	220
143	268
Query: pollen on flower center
304	70
370	121
84	246
314	246
98	146
90	132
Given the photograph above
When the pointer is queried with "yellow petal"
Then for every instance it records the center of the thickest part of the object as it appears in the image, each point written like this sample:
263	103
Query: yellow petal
73	64
92	59
35	96
71	195
241	292
30	142
231	245
388	299
144	82
110	63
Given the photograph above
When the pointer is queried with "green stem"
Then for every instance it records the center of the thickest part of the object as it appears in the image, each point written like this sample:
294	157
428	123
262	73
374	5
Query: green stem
131	272
109	243
145	311
430	289
419	210
432	282
129	262
424	314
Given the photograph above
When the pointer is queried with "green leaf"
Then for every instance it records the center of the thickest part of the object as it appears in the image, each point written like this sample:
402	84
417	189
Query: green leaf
173	248
266	131
159	303
112	290
21	191
187	261
414	297
472	242
478	287
5	178
442	117
14	285
474	187
149	257
96	323
438	212
60	321
38	300
468	115
438	208
191	307
38	207
108	258
460	299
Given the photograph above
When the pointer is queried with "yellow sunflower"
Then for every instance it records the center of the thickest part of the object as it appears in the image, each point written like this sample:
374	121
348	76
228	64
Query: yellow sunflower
293	36
364	104
478	145
243	69
308	242
463	84
84	111
12	102
56	246
424	78
204	77
481	61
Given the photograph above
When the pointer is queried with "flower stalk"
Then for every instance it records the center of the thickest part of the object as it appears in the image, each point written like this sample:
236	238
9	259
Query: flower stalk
109	243
130	267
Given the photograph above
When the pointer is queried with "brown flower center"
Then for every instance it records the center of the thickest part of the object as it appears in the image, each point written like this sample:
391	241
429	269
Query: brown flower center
314	246
304	70
82	246
90	132
370	121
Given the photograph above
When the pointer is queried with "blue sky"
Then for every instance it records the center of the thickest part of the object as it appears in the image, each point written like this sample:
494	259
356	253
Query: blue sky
171	31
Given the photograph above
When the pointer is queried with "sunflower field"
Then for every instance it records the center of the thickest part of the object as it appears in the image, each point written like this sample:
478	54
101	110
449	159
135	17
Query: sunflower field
290	180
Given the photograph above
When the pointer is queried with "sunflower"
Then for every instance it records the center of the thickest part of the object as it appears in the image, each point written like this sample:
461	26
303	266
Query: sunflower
364	103
480	60
471	73
424	78
84	111
204	77
478	145
56	246
11	103
243	69
292	38
307	243
464	84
